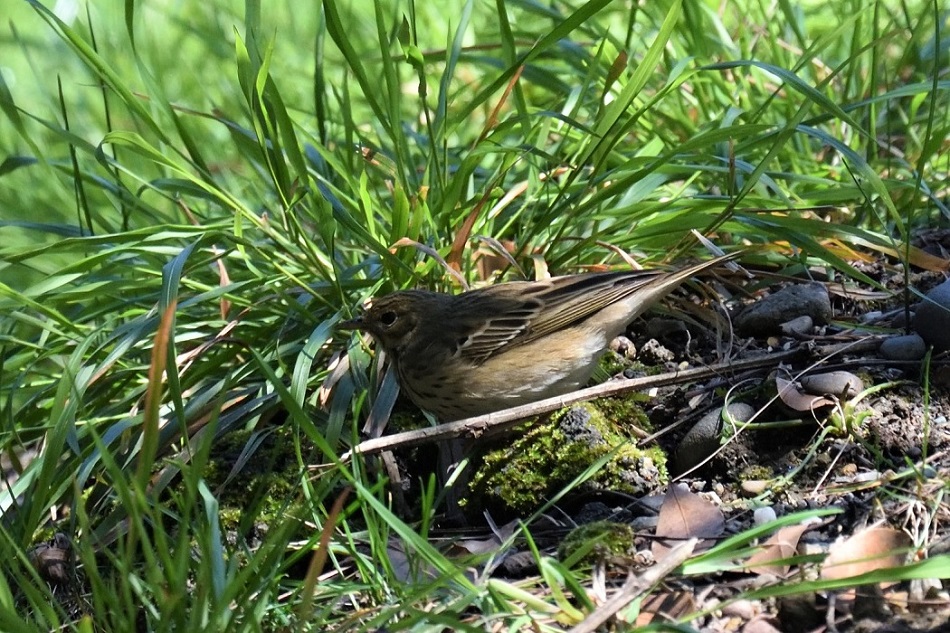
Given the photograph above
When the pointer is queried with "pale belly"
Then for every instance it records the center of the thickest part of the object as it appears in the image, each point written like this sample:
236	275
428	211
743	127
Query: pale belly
550	367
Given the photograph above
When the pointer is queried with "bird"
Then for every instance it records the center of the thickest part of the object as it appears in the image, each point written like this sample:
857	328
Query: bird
504	345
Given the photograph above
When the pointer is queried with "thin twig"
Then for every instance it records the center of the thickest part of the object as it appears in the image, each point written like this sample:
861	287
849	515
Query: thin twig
500	420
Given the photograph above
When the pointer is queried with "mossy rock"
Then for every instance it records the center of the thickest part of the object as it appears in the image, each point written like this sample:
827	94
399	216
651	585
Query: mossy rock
522	475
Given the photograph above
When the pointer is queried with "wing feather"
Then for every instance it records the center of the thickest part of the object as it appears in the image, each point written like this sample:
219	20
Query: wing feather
507	315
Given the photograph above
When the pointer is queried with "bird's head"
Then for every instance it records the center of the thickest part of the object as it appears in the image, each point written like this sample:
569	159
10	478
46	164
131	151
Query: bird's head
394	320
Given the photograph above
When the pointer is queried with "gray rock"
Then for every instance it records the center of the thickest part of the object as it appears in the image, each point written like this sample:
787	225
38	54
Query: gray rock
842	384
654	353
703	439
576	426
932	318
907	347
799	325
901	318
871	317
766	316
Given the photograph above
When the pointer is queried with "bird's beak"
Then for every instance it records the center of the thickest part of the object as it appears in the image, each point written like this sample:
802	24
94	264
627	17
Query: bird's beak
351	324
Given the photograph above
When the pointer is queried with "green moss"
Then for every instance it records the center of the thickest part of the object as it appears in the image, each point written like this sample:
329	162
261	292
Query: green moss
627	409
527	471
598	541
263	484
612	363
755	472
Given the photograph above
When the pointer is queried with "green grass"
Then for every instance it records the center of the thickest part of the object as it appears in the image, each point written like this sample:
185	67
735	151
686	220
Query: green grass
263	168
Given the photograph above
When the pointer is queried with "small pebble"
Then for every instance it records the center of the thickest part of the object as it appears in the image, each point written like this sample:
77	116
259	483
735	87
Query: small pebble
653	352
653	502
644	558
754	487
744	609
761	516
799	325
642	524
623	346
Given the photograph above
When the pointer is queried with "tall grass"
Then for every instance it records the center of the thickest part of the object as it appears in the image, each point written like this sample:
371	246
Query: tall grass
235	177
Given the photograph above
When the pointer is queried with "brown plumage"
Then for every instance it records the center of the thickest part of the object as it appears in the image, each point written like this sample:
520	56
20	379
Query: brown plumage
513	343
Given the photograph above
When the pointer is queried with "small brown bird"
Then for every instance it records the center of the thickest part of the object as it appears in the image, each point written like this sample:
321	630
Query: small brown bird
500	346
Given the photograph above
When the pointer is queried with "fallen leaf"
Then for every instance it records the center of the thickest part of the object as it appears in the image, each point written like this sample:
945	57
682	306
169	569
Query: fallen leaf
781	545
868	550
684	515
669	605
796	399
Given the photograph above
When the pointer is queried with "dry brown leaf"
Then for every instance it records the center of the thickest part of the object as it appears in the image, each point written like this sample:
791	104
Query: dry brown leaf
871	549
494	255
667	605
540	266
796	399
434	254
684	515
916	256
783	544
339	365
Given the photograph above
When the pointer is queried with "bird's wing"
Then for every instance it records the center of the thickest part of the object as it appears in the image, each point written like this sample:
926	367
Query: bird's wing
572	299
490	322
503	316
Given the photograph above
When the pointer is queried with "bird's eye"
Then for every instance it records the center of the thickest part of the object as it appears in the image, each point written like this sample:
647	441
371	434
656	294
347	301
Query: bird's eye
387	318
